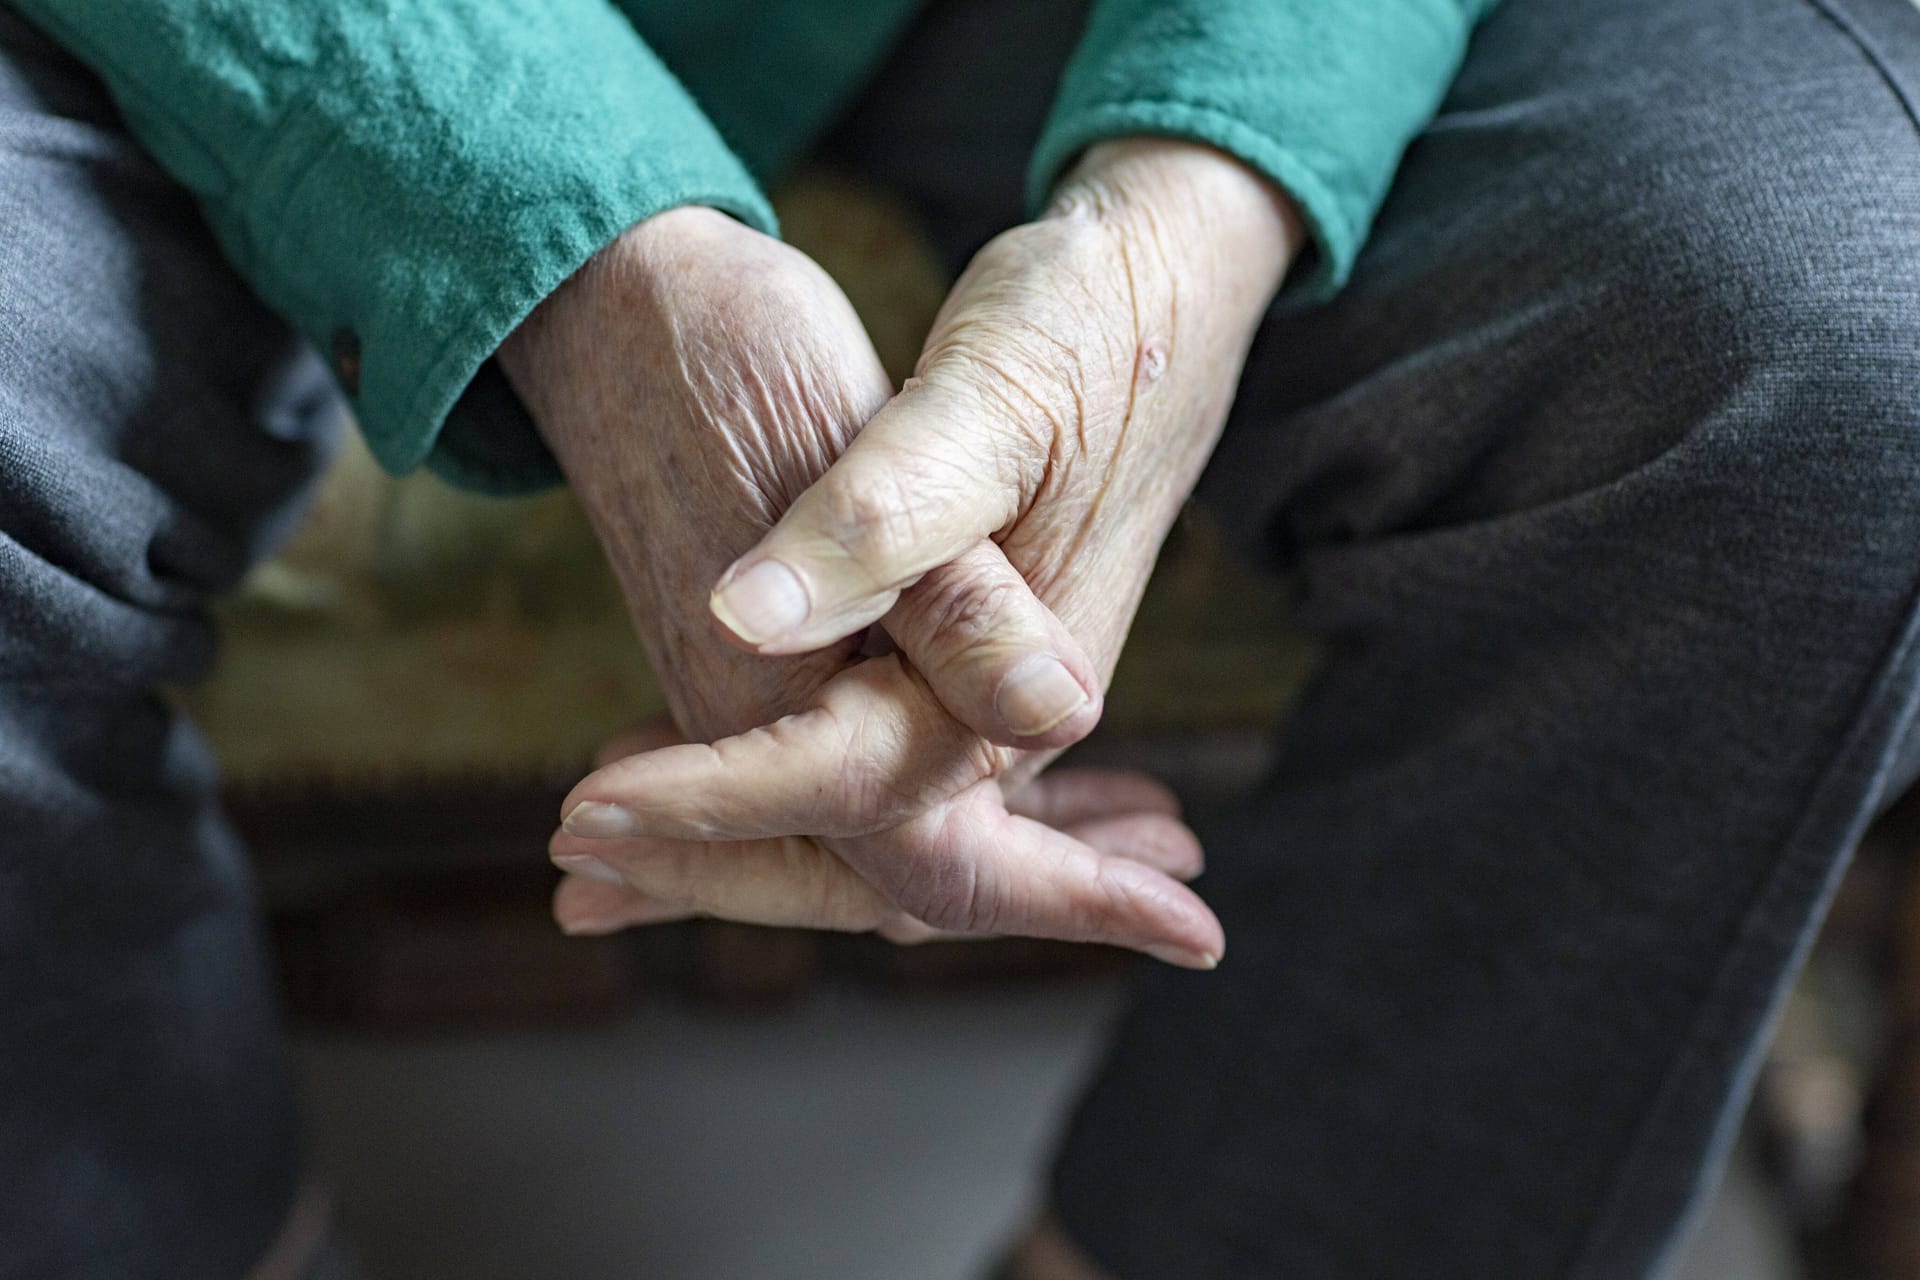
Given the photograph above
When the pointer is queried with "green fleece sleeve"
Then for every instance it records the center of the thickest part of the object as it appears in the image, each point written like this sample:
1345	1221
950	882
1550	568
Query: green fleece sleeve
1322	96
406	179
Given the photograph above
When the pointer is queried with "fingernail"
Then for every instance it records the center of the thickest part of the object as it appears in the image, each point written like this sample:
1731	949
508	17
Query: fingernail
596	821
1038	694
1183	958
763	603
580	864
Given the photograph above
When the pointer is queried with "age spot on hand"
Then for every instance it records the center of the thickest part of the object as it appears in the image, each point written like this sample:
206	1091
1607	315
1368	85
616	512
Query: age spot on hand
1151	363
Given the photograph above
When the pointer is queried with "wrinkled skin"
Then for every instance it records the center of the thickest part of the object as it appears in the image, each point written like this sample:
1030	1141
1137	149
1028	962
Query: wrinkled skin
693	381
1069	395
685	433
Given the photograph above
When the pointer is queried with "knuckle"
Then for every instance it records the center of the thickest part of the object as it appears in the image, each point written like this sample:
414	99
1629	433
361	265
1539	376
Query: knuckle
671	873
873	519
832	894
867	789
987	760
946	893
1121	894
971	611
902	930
844	904
891	767
878	795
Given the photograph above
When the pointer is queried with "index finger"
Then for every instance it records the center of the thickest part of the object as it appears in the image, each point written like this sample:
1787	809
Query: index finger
877	750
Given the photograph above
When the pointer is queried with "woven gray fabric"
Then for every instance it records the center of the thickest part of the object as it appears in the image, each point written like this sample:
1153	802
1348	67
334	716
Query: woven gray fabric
1603	481
155	426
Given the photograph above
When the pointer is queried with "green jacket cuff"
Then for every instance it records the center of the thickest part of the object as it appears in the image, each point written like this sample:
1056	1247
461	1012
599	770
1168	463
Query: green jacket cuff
1321	98
406	179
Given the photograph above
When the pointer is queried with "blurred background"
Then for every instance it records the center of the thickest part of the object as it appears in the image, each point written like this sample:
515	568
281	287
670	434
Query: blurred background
857	1135
409	689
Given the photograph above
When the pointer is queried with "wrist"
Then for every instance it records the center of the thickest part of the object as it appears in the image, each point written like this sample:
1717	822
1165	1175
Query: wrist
552	356
1206	216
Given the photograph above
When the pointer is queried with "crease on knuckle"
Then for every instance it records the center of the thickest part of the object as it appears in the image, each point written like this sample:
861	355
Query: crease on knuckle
1115	901
874	783
971	613
875	528
834	898
988	760
674	872
947	893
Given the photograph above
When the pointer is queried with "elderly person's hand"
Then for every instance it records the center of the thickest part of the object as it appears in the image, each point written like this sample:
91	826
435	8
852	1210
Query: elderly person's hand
1069	395
693	381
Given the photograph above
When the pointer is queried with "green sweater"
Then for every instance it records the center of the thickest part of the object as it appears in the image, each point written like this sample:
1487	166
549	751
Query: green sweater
406	179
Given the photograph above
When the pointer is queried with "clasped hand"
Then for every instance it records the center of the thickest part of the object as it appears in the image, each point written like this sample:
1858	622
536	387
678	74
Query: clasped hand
879	616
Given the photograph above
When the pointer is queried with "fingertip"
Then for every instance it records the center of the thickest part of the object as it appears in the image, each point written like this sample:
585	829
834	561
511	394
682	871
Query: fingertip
1167	916
760	601
580	904
594	908
1164	843
596	820
1181	958
587	867
1041	703
767	609
1065	797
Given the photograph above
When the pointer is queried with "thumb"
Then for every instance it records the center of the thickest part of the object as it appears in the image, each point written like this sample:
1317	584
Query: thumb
932	474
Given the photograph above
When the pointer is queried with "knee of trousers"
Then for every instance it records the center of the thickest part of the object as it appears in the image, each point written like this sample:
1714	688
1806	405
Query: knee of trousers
1766	370
157	427
157	423
1712	257
1578	310
1722	298
1773	337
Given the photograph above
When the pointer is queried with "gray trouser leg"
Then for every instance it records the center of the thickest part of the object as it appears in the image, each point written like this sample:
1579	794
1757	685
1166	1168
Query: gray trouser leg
156	426
1603	482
